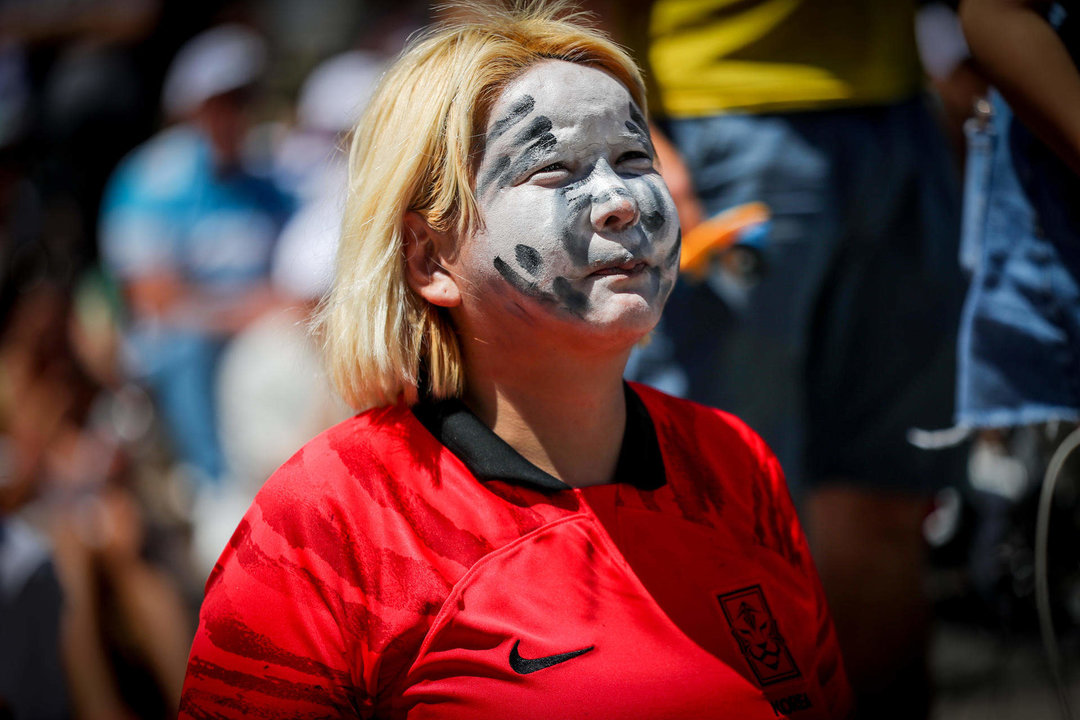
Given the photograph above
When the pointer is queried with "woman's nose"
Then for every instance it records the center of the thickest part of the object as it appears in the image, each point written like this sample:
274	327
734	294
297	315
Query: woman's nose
613	206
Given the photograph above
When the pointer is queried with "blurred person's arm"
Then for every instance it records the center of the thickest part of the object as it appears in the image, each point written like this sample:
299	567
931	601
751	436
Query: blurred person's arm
946	58
1021	54
958	92
165	297
145	599
92	684
139	248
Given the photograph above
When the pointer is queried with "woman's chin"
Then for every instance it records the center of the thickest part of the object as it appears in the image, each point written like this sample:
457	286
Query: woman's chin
622	321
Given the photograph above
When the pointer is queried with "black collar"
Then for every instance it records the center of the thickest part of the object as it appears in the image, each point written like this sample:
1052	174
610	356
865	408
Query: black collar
488	457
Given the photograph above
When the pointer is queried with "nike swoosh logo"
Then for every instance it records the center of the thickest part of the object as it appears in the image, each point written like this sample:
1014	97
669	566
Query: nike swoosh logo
524	666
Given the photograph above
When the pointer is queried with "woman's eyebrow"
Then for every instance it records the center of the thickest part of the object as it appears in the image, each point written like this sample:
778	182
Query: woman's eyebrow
521	107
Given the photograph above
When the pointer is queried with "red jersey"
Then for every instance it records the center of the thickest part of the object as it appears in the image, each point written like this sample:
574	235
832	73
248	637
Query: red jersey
410	564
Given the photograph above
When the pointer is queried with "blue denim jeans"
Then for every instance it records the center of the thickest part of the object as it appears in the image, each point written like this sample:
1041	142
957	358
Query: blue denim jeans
180	369
848	340
1019	346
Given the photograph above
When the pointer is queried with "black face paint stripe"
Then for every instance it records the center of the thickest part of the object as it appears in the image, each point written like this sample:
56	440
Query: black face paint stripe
579	202
523	286
572	186
661	281
582	200
517	111
639	126
537	128
672	257
528	258
664	287
668	272
504	170
497	170
653	219
575	247
574	300
574	244
641	135
607	195
636	116
533	152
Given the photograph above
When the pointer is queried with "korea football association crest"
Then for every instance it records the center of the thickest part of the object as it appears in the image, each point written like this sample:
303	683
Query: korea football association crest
755	629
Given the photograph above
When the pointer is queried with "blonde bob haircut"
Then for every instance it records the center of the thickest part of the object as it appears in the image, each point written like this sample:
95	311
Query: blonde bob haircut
417	148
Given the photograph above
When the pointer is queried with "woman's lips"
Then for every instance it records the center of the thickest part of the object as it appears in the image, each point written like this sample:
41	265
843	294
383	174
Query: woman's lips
628	269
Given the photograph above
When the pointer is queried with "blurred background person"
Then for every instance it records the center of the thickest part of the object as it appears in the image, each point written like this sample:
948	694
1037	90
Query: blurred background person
272	392
96	523
32	681
1020	342
122	627
846	341
32	678
313	161
950	72
1019	369
190	234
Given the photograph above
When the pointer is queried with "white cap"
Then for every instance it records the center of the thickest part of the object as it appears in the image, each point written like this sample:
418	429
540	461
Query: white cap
336	92
220	60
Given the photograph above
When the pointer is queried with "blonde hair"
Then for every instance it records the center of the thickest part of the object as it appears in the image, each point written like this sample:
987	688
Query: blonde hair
416	149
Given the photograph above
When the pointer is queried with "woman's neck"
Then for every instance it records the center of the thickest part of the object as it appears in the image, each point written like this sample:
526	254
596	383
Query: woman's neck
566	416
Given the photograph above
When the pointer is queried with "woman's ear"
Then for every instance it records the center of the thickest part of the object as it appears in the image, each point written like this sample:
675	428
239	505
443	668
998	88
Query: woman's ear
424	270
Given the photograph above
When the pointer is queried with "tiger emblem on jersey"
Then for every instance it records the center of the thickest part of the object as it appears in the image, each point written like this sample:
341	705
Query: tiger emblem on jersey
756	631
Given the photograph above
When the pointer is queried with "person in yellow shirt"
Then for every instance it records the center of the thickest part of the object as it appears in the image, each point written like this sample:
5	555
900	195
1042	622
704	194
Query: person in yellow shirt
775	56
815	108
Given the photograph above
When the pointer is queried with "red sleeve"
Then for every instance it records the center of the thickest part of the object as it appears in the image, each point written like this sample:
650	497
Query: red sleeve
829	671
281	629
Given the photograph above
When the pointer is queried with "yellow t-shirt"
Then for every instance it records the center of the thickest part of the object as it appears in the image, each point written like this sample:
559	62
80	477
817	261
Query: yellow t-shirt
712	56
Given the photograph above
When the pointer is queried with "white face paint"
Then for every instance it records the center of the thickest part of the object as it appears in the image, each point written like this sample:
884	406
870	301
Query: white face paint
578	224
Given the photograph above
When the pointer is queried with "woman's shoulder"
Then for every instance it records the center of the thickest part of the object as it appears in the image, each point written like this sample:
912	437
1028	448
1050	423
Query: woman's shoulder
692	427
365	451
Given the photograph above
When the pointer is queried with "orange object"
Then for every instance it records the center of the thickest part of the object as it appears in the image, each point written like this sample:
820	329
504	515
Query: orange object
717	234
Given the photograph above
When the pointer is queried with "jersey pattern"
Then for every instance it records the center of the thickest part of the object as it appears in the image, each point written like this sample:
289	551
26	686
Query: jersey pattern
380	574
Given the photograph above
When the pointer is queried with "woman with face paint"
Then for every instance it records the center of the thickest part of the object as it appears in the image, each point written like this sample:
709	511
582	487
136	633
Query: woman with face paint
507	529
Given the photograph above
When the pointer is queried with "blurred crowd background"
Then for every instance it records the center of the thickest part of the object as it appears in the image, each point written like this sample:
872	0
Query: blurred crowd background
171	182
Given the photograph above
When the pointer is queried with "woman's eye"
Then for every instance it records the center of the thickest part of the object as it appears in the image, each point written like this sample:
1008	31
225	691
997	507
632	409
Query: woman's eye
634	155
553	167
